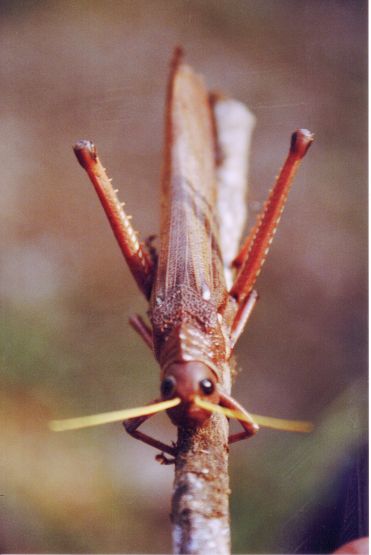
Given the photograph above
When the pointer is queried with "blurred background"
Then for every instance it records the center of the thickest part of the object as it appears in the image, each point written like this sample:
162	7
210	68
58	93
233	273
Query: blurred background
98	70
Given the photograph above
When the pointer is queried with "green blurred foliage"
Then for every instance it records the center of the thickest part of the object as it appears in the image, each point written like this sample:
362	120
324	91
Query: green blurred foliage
98	70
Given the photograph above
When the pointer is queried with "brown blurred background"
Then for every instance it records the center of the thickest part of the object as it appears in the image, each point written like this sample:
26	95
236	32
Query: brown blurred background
98	70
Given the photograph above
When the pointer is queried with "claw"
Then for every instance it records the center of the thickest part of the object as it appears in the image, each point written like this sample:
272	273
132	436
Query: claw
163	459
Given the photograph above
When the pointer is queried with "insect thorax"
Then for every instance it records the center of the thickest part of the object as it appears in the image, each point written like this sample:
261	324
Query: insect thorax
186	327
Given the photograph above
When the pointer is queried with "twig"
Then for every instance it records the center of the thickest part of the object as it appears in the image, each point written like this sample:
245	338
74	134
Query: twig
200	511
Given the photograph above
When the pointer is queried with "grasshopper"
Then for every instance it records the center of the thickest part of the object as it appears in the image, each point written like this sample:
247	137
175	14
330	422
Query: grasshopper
195	317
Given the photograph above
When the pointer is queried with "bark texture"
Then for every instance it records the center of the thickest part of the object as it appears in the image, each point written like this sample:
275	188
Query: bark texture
200	508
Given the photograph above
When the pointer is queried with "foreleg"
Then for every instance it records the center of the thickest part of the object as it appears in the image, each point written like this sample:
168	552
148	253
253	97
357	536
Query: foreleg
250	427
145	332
243	316
132	425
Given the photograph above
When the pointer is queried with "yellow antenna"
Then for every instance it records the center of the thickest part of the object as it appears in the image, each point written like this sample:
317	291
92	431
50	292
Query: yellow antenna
302	426
267	421
107	417
229	413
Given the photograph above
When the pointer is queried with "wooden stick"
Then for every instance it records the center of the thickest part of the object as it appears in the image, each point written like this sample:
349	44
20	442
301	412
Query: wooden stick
200	504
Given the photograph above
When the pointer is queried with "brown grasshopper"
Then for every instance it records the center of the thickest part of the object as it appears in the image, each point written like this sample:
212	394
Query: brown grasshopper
195	318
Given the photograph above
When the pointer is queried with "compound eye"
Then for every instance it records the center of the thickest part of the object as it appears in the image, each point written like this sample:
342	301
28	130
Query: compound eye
168	386
207	386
